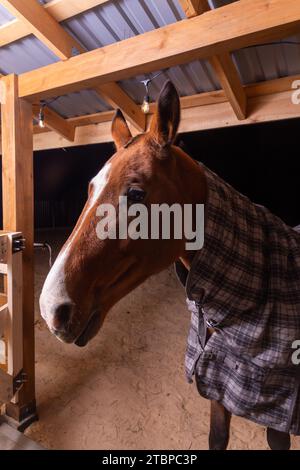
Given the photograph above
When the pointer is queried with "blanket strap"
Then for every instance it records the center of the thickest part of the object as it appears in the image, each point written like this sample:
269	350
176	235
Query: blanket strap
202	327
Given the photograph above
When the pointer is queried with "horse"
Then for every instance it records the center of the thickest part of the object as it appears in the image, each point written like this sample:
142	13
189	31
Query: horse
90	275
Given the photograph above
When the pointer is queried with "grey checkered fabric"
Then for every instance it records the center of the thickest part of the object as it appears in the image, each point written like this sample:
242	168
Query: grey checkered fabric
245	283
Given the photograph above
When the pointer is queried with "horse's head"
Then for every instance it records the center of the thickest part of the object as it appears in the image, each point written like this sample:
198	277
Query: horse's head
92	273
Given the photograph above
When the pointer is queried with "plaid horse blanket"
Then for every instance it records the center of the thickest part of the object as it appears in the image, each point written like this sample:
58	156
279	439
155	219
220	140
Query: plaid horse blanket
245	284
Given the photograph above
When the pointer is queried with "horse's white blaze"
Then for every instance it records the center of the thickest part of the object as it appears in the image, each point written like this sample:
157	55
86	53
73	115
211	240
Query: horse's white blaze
99	183
54	291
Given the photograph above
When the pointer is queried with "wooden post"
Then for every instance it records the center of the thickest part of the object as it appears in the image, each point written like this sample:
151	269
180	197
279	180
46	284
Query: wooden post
17	184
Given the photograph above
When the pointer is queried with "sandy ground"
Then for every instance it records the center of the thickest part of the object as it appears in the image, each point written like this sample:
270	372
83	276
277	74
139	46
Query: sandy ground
127	388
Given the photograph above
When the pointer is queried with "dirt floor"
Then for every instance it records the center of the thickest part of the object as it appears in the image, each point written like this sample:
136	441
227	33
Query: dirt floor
127	388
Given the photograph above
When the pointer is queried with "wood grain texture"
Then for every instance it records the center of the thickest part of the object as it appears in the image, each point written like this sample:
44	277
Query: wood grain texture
17	183
264	108
222	64
60	10
193	8
58	40
270	87
231	83
43	26
56	123
235	25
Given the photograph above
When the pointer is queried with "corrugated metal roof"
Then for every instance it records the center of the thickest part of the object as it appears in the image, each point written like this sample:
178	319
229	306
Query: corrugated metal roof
267	62
5	16
120	19
270	61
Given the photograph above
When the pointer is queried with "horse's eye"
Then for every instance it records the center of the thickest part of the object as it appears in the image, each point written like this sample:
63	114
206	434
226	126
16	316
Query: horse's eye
136	195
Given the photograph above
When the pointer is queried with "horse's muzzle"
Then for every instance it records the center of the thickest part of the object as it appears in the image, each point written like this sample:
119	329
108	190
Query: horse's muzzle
90	330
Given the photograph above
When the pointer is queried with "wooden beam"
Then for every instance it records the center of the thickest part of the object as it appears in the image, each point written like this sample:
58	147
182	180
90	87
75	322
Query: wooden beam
201	99
222	64
261	109
95	118
17	183
56	123
49	31
44	27
193	8
230	82
270	87
234	26
60	10
265	108
86	120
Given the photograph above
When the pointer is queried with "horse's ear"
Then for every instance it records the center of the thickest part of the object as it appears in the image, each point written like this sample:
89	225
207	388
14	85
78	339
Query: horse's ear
120	130
165	122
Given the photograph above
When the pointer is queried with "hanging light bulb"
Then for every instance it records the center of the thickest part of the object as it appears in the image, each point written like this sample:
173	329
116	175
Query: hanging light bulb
146	105
42	116
146	102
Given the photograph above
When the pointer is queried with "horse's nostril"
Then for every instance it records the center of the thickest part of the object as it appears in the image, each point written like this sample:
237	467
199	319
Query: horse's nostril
62	316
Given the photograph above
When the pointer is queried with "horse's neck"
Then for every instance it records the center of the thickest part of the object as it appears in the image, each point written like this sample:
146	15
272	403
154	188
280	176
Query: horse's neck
194	186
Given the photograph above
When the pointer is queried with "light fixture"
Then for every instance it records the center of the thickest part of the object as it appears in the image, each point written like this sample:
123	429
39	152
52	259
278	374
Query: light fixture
146	102
42	115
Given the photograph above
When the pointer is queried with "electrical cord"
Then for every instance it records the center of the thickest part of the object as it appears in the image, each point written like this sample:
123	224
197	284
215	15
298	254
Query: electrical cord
45	246
278	43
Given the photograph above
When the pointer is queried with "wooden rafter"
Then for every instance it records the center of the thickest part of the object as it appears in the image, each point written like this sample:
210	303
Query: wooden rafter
201	99
230	82
235	26
268	101
265	108
194	7
56	123
271	87
281	87
258	94
44	27
117	98
222	64
53	120
60	10
51	33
